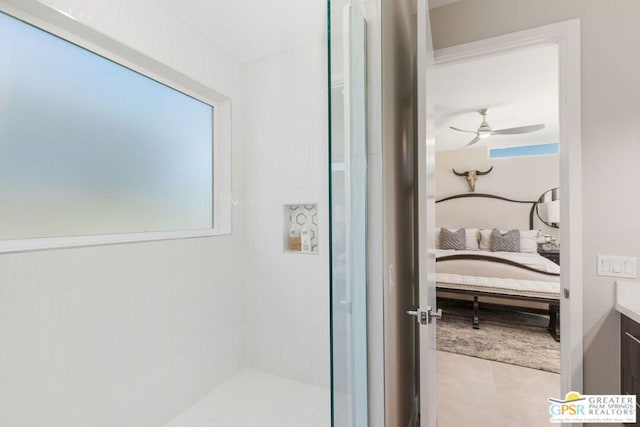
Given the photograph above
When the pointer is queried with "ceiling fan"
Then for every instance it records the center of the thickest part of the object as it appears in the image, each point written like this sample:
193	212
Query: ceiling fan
485	131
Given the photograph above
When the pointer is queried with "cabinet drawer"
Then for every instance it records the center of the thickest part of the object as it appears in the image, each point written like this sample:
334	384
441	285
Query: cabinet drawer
630	385
628	325
630	351
630	359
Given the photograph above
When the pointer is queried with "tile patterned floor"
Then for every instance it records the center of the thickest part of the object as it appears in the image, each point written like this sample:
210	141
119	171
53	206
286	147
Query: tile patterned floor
472	393
481	393
255	399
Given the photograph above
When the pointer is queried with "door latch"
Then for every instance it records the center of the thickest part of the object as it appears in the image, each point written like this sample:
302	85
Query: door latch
425	317
421	316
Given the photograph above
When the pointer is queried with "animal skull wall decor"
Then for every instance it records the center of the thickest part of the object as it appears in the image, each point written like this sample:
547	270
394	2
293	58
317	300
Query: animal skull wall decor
472	176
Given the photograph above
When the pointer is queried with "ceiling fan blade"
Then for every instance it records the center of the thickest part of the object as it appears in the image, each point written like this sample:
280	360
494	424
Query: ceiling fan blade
473	141
462	130
518	130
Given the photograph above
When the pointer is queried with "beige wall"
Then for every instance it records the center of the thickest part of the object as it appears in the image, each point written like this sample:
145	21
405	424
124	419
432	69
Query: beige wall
518	178
522	178
610	140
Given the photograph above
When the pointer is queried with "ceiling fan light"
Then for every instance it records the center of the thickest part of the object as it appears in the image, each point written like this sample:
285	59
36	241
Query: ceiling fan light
484	135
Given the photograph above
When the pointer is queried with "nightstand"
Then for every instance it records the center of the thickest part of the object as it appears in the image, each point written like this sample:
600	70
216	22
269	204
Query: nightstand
551	255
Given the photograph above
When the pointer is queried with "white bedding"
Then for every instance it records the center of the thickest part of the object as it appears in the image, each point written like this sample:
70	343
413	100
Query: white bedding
496	285
530	260
495	277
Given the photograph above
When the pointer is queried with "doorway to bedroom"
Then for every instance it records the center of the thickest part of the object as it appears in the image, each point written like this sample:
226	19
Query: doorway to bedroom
498	236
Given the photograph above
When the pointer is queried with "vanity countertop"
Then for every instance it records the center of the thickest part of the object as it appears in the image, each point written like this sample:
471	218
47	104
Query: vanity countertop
628	299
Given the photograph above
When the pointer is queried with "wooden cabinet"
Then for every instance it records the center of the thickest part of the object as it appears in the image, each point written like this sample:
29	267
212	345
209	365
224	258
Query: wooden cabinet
630	359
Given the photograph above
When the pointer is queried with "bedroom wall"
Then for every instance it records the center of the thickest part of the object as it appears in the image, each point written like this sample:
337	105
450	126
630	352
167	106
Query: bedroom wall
610	141
125	334
519	178
523	178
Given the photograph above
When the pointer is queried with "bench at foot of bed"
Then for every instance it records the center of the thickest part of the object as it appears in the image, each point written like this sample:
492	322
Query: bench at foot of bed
554	321
553	312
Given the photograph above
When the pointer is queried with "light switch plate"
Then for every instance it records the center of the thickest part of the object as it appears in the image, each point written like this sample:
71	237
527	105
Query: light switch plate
617	266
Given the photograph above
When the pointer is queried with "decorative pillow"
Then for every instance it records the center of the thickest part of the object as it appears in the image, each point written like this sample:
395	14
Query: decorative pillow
471	238
529	241
452	239
507	242
471	241
485	239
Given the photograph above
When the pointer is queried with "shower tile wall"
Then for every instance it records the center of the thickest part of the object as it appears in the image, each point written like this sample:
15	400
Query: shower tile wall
134	334
126	334
287	310
302	216
118	334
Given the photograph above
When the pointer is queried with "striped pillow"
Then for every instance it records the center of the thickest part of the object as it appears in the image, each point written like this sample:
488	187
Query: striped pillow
507	242
453	239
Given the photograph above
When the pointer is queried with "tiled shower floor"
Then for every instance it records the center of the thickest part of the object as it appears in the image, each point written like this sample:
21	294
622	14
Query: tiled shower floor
252	398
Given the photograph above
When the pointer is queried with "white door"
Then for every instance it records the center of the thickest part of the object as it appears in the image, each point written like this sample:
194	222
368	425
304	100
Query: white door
428	312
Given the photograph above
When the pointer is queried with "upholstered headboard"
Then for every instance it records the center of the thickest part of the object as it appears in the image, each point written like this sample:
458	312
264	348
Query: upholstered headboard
473	210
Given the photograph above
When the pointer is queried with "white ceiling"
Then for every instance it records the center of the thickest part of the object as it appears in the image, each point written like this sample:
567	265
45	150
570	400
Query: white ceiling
519	88
252	29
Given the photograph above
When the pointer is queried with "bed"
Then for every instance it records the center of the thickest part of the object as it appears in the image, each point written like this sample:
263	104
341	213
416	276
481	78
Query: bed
511	280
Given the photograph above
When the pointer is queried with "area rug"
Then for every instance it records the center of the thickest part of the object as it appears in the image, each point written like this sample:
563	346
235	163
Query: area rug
504	336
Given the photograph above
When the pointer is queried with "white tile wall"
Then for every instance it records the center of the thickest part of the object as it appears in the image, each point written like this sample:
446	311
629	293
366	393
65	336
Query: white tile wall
126	335
285	151
131	335
139	347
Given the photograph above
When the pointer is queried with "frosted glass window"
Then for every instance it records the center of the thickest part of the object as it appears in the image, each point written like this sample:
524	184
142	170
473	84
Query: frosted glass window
90	147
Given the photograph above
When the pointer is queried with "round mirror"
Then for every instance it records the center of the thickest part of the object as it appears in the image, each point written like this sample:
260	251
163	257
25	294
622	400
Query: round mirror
548	208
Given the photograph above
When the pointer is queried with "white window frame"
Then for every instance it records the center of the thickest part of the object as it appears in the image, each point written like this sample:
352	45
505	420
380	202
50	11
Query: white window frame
69	29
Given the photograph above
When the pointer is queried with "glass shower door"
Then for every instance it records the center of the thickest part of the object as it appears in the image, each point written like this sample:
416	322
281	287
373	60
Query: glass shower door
348	191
